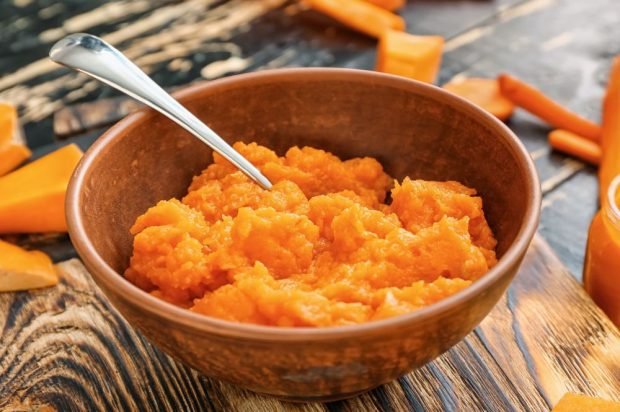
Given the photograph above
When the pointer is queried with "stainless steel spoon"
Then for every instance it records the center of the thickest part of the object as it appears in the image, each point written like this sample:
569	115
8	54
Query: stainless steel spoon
91	55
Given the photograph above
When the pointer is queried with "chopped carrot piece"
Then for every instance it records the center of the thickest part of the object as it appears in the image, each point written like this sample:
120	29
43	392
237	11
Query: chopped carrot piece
360	15
572	402
13	149
408	55
24	270
534	101
390	5
575	145
32	198
610	142
8	122
484	93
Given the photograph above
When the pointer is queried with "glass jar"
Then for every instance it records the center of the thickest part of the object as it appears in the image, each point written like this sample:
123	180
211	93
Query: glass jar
601	274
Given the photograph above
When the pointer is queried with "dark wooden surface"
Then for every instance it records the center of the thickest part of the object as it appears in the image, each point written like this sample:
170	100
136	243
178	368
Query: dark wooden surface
563	46
67	349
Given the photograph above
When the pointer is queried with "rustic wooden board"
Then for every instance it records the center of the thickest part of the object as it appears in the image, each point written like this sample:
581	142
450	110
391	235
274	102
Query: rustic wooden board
564	46
66	348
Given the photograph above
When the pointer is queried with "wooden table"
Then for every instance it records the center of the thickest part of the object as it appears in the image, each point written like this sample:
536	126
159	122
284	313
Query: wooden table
68	349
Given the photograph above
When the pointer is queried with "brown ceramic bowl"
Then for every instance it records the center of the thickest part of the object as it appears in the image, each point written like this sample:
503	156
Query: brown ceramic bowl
414	129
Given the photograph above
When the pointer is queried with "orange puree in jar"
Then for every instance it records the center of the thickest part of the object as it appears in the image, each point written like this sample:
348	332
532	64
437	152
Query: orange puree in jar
322	248
602	264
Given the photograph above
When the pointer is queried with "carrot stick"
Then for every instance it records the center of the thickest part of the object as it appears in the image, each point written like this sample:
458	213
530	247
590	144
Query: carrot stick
360	15
575	145
484	93
610	141
390	5
534	101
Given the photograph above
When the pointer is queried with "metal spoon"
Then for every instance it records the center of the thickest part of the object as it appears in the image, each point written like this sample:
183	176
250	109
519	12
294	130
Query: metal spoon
91	55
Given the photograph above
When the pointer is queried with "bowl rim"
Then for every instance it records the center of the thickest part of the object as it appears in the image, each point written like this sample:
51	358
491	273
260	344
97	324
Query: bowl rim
102	272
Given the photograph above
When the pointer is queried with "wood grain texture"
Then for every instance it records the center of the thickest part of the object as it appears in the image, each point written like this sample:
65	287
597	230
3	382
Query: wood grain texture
67	349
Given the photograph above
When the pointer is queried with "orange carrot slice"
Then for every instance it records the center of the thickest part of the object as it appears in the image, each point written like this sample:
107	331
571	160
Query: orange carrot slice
534	101
573	402
13	149
610	141
575	145
408	55
484	93
360	15
390	5
24	270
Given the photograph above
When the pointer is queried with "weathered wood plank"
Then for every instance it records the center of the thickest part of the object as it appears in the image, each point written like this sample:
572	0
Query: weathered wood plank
28	26
546	43
311	39
67	348
553	324
56	245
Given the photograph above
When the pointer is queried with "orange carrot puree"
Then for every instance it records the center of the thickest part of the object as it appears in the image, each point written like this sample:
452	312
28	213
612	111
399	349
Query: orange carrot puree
322	248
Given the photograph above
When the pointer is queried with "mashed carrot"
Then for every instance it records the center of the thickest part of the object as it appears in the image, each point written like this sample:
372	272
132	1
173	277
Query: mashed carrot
322	248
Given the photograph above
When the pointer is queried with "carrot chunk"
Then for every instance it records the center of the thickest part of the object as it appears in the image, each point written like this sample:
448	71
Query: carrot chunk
13	149
610	141
408	55
360	15
24	270
572	402
536	102
484	93
575	145
390	5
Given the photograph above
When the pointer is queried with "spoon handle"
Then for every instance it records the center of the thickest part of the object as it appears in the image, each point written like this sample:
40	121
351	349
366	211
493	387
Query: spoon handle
93	56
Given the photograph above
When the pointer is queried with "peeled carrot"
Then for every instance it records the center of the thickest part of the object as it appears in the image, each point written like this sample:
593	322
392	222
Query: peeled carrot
360	15
390	5
484	93
534	101
610	141
575	145
408	55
